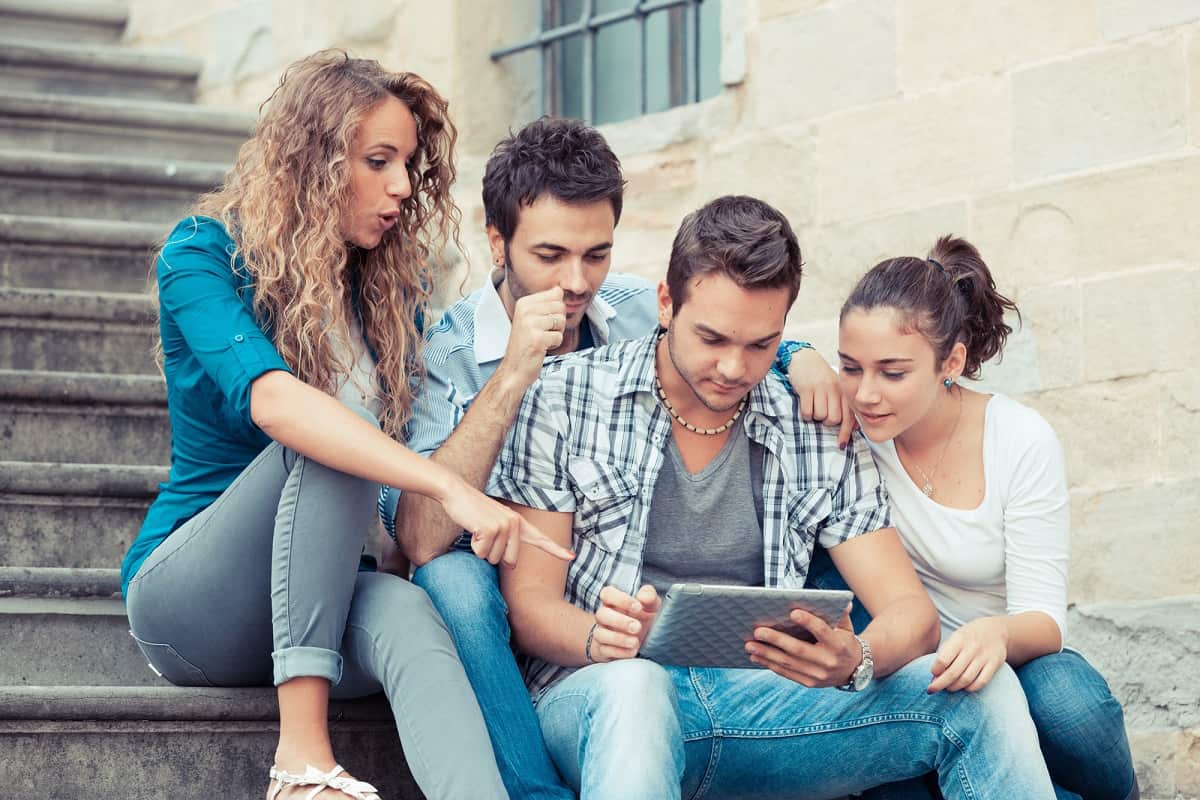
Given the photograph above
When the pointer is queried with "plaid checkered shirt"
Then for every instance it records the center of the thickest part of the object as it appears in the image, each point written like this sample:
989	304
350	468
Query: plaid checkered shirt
591	436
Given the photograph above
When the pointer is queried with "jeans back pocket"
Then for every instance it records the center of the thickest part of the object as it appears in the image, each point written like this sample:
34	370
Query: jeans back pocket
167	663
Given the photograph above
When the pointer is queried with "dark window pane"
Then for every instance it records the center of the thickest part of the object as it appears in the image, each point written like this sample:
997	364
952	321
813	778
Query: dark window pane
566	78
710	48
618	72
666	59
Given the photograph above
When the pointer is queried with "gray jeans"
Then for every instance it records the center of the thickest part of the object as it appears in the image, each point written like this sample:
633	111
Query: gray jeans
262	586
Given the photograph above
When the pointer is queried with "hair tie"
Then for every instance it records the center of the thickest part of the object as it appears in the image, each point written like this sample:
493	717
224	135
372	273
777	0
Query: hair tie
937	264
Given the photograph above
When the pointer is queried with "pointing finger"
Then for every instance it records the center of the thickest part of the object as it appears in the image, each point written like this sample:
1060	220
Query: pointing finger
531	535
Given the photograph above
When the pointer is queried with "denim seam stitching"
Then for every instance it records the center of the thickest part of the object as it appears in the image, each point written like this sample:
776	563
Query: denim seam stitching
801	730
710	770
301	463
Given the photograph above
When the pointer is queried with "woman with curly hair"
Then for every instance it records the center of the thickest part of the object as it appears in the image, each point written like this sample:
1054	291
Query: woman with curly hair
290	311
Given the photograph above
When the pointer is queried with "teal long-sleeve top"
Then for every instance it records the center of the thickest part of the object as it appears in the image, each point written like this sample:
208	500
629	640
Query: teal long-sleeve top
214	349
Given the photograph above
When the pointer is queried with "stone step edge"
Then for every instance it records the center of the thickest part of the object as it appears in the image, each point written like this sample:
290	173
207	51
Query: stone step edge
77	306
170	173
90	233
81	388
51	478
68	10
168	704
141	114
97	58
59	582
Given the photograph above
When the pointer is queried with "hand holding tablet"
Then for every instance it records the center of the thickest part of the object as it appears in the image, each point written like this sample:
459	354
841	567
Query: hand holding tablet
702	625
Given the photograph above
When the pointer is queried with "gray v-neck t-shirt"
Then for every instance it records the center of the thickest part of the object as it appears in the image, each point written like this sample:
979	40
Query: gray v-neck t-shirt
705	527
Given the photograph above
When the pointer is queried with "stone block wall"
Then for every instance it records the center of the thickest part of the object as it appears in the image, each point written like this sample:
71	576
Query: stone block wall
1063	138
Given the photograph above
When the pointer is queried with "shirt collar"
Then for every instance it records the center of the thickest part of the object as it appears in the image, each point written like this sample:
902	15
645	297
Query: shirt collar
493	327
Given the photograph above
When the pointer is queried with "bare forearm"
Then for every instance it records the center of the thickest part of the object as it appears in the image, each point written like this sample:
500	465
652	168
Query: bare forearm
1031	634
553	630
906	629
422	527
288	410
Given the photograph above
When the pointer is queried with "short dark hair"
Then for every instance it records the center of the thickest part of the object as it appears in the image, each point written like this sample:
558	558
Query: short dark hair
948	297
563	158
743	237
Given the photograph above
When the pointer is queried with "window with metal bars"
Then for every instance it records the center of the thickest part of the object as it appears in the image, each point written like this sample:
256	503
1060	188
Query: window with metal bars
610	60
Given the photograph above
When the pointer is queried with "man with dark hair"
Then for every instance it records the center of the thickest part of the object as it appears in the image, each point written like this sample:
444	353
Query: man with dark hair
552	196
680	457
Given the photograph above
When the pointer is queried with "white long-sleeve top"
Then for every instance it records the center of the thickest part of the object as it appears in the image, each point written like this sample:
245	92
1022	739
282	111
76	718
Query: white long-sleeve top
1009	554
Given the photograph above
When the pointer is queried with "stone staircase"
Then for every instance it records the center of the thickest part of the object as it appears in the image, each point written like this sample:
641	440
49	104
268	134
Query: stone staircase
100	151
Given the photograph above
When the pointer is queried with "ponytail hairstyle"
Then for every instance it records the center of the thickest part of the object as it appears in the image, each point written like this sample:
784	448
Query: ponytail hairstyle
948	297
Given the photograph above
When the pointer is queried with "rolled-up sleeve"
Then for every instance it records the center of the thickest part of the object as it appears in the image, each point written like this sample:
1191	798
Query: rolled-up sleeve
532	467
859	501
198	292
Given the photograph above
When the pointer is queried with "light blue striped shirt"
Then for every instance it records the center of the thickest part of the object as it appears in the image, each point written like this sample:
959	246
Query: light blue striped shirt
464	348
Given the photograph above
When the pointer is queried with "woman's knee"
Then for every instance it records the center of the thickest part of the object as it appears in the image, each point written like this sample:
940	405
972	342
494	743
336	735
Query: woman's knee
1067	694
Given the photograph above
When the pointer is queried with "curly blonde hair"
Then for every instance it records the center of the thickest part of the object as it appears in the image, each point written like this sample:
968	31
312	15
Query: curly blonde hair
282	203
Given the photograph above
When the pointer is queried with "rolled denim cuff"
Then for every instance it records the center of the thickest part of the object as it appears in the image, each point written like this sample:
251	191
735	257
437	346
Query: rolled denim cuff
307	662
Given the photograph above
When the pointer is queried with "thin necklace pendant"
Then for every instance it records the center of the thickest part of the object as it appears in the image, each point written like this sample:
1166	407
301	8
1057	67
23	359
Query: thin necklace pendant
927	489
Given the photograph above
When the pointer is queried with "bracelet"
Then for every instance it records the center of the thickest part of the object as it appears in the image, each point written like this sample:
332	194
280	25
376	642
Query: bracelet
587	646
787	349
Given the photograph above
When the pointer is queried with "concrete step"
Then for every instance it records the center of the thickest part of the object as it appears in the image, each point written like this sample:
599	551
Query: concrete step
146	743
80	254
67	626
98	70
135	128
62	20
72	515
102	187
84	417
67	331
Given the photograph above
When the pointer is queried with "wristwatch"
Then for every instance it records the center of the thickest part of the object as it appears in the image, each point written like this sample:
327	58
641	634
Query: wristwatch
861	677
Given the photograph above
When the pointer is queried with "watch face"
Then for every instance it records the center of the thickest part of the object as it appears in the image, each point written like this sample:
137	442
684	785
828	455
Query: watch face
863	675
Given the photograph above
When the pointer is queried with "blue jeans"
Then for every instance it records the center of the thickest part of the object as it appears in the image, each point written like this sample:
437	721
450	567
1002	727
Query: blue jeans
1080	724
465	590
637	729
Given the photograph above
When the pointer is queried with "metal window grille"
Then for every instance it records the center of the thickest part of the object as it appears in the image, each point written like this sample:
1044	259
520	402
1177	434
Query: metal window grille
672	48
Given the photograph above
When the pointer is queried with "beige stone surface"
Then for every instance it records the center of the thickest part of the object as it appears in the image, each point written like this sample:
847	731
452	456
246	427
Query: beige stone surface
1181	421
1110	431
939	45
838	254
1140	322
837	56
1052	317
1187	776
1136	542
1194	83
1115	104
769	9
1122	18
915	152
777	165
1089	225
1155	757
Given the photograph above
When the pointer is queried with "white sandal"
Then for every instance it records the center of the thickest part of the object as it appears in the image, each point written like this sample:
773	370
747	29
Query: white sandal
359	790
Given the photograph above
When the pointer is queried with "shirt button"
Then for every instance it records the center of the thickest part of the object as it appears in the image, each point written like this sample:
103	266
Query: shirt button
239	338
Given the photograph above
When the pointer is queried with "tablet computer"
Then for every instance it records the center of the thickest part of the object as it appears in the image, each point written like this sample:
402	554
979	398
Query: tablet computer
702	625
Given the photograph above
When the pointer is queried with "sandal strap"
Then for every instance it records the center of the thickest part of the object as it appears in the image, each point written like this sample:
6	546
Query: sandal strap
359	790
